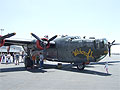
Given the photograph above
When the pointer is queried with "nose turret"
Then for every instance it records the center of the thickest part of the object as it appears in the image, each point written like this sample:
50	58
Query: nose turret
101	49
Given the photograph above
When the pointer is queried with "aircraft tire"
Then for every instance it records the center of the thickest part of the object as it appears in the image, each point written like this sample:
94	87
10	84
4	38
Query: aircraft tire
28	62
81	66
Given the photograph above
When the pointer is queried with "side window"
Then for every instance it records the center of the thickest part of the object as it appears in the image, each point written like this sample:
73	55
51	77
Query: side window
84	43
102	45
96	44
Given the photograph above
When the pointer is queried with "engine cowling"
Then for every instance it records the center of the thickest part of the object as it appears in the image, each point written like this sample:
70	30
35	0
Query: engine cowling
2	42
39	45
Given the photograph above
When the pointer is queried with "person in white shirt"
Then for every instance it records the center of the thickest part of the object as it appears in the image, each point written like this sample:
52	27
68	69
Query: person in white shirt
8	60
106	67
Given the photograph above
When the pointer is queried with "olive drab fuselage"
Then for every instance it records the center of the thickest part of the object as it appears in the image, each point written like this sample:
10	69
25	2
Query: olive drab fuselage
77	50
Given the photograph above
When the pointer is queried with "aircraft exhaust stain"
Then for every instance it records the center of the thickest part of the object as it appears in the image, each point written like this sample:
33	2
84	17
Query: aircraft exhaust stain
80	52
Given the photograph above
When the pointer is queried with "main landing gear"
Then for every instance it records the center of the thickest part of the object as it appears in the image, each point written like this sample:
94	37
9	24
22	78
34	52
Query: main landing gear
81	66
28	62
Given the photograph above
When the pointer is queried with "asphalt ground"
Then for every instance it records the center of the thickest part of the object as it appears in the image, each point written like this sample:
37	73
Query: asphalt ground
94	77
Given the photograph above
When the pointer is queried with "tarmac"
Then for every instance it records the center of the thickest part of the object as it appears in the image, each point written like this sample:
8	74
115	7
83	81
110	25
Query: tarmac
94	77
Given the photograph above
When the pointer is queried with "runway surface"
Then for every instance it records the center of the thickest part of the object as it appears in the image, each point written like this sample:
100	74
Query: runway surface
94	77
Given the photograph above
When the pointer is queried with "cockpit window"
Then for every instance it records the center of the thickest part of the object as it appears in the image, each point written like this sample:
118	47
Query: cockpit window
73	38
105	41
76	37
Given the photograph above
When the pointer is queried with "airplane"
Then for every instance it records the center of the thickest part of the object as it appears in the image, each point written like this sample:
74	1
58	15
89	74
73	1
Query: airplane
71	49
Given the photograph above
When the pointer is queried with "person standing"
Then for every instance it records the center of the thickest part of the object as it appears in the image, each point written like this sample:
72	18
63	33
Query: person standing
41	60
33	59
106	67
3	58
8	58
13	55
17	59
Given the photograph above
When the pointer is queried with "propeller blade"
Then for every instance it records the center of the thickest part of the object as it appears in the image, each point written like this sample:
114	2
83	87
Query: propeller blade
7	36
35	36
109	47
109	50
113	42
52	38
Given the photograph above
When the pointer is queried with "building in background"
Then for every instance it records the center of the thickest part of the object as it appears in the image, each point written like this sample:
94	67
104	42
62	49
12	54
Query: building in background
13	48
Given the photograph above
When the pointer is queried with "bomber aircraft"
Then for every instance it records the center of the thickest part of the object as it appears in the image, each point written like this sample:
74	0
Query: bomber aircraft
70	49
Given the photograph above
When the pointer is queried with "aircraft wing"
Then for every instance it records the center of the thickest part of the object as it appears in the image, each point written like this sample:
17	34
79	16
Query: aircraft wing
17	42
23	43
40	43
116	44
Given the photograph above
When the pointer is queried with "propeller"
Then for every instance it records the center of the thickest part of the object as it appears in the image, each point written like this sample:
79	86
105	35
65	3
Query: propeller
2	41
109	47
44	43
35	36
52	38
7	36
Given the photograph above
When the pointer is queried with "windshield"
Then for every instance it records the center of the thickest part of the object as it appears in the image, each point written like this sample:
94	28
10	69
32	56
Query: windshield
105	41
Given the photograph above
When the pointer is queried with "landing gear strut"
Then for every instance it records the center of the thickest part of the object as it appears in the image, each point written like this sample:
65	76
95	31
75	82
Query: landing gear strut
28	62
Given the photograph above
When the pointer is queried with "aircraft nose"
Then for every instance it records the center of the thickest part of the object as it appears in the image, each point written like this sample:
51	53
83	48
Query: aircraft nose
106	52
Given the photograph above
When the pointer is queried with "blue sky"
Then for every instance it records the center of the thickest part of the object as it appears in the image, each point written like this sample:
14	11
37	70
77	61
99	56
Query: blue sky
99	18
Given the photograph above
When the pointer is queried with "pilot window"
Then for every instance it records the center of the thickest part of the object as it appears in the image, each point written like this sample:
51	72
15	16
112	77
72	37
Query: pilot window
103	42
102	45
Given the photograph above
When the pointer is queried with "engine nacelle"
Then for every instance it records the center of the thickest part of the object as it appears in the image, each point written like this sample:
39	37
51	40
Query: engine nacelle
39	45
2	42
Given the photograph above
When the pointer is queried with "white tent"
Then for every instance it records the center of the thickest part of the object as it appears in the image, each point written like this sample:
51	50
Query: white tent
13	48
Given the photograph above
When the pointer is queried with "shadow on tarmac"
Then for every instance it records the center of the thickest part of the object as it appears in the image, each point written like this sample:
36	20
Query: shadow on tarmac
103	63
19	69
69	67
13	69
66	67
89	72
37	70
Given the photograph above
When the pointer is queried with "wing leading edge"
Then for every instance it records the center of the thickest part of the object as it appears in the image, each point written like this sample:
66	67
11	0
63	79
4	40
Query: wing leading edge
17	42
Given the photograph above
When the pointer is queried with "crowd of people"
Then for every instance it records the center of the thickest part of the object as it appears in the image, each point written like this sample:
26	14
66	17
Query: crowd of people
38	60
11	58
16	58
